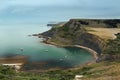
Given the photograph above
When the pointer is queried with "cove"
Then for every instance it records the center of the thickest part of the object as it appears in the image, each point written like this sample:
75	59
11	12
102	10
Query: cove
13	38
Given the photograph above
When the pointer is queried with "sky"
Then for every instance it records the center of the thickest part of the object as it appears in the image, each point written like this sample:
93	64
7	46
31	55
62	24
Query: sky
41	11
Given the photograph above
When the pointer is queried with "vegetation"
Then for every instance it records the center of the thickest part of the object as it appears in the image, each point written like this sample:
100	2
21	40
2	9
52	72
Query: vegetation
112	52
8	73
98	71
113	46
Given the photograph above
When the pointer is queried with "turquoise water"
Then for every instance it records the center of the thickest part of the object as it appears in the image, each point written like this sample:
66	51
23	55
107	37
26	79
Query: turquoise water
15	37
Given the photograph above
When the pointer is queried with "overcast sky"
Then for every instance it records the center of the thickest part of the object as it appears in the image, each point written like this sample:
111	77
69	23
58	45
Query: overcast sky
35	10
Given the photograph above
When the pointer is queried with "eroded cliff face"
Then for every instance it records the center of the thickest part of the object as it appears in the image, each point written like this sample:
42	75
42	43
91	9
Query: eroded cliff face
74	33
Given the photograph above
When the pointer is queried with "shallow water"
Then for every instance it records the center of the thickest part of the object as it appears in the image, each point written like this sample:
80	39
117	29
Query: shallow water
13	38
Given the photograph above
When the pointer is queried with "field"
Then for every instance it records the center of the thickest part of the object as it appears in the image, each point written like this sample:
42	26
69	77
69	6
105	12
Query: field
104	33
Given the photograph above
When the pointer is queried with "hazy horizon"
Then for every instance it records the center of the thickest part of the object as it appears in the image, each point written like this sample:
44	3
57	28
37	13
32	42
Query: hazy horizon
39	11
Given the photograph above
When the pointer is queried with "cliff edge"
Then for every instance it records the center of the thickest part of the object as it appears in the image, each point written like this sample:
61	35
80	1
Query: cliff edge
75	32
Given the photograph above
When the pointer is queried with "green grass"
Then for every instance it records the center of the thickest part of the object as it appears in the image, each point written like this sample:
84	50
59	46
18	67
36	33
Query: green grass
97	71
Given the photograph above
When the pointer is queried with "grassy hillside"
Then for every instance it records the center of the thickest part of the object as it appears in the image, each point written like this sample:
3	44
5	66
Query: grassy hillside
98	71
91	33
112	52
96	23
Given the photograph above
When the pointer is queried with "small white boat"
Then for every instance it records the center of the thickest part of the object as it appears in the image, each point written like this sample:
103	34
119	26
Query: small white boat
46	50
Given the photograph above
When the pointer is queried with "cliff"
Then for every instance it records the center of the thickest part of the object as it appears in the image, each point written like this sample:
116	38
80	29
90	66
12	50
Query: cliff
103	36
74	33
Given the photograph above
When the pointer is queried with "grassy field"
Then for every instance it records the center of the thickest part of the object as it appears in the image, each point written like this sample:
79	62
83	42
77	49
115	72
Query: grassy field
103	71
104	33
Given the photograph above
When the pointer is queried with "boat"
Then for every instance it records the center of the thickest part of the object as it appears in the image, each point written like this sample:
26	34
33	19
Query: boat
46	50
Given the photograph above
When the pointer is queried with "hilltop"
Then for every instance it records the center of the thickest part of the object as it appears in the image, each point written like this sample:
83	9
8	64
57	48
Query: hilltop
91	33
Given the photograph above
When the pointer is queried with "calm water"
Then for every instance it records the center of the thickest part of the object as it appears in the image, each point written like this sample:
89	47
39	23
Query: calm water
15	37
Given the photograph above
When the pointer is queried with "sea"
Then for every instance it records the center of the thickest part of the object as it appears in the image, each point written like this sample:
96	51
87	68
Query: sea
13	38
